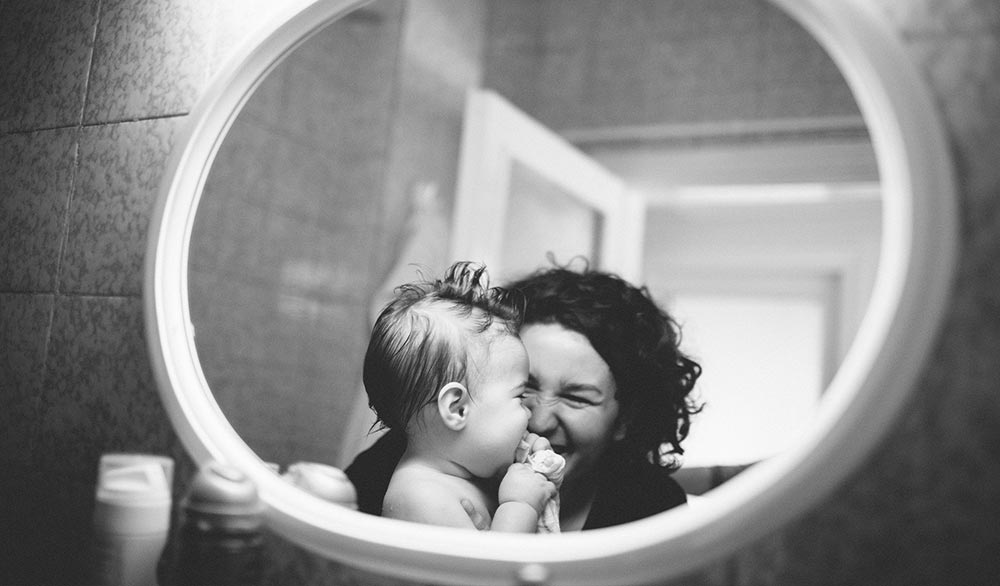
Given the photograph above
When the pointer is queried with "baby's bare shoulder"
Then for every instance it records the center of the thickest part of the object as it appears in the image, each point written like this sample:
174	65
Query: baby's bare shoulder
423	496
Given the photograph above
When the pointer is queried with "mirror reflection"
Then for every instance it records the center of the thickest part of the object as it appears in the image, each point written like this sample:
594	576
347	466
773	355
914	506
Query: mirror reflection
737	181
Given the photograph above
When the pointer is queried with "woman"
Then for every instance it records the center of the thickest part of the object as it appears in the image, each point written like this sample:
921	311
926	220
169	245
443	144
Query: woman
608	387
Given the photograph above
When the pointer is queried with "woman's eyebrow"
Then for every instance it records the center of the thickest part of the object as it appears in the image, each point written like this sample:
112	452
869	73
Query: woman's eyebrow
581	388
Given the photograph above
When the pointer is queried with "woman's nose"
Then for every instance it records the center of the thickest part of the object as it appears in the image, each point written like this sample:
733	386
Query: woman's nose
543	420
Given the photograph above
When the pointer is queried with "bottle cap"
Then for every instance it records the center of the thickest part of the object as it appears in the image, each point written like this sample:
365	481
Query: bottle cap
223	497
133	493
326	482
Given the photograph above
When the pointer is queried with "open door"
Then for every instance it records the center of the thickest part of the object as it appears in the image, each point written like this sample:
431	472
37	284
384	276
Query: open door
524	192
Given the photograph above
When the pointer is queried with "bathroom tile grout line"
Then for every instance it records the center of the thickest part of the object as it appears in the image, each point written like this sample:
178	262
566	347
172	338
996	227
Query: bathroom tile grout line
83	125
64	232
71	294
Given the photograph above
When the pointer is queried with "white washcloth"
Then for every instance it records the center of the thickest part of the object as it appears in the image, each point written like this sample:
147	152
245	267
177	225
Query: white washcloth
550	465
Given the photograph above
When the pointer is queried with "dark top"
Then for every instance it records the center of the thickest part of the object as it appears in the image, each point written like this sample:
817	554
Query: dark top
627	490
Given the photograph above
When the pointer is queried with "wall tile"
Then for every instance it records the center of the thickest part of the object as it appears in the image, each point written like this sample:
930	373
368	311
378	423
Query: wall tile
689	62
719	574
27	558
965	74
287	563
155	58
225	238
45	49
150	59
36	173
121	166
24	328
99	392
914	17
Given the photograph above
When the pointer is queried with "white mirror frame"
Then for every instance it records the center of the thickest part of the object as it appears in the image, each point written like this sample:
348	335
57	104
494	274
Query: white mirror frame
917	256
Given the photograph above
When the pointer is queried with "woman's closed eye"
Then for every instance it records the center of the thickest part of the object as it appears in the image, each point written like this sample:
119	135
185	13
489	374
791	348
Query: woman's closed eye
578	400
582	395
573	397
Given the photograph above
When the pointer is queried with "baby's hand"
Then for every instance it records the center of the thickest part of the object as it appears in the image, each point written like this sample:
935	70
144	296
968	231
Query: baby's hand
529	444
522	484
478	519
549	464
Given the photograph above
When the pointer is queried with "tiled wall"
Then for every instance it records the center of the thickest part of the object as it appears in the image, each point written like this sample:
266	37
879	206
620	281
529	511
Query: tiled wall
302	212
92	93
588	64
283	249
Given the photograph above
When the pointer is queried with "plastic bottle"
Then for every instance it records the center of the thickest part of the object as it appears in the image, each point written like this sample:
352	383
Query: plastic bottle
219	538
131	518
326	482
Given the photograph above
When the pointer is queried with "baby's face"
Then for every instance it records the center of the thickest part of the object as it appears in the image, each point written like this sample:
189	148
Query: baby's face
498	418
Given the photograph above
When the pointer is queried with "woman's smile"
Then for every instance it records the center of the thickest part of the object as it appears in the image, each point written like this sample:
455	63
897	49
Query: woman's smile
571	394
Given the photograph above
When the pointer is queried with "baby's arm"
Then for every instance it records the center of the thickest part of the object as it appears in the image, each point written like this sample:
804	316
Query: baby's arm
522	496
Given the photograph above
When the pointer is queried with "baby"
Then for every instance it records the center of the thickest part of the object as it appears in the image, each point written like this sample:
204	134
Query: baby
446	366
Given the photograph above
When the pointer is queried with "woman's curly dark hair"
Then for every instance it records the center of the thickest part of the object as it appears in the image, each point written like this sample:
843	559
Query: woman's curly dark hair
636	338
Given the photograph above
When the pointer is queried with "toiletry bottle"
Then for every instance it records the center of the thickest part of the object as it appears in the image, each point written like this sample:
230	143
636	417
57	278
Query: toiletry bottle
131	518
219	538
324	481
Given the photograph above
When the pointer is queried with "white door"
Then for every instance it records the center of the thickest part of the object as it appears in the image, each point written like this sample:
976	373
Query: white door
524	192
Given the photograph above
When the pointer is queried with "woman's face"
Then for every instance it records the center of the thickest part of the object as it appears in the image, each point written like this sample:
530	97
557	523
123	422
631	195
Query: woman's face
571	394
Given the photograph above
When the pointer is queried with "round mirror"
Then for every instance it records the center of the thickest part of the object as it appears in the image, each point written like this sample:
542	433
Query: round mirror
323	161
727	193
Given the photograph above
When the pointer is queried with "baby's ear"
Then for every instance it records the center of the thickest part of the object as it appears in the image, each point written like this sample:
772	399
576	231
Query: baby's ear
453	405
